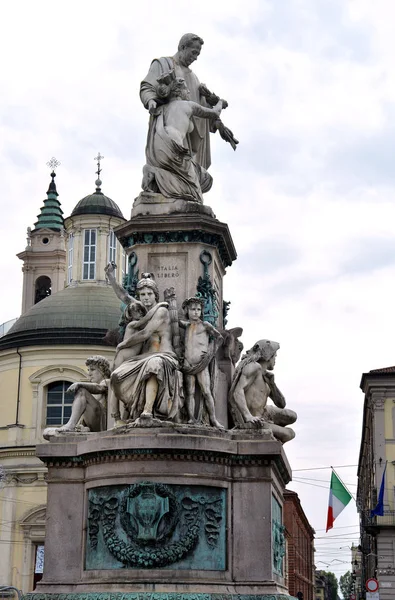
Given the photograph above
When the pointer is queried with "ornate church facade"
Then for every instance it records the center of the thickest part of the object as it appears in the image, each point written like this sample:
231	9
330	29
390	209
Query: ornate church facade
67	308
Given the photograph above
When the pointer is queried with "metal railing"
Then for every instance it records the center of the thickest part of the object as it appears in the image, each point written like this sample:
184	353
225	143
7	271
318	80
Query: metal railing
8	591
386	520
5	327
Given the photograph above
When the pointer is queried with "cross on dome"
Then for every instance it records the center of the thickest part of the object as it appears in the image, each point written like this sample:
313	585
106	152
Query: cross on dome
98	182
53	163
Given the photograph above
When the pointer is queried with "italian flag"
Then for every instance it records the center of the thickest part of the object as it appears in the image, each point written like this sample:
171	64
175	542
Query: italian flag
339	497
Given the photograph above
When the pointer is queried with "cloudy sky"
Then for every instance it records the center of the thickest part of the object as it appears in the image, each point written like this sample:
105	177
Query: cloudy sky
309	195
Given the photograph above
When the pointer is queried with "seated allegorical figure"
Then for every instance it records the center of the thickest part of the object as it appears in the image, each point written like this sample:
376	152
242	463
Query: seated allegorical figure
148	382
89	410
170	168
252	385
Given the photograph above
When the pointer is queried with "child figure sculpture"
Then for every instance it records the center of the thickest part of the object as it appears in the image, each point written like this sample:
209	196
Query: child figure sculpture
128	348
199	352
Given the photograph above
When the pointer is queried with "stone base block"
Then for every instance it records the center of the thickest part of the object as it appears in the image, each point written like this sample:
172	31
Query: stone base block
148	203
167	512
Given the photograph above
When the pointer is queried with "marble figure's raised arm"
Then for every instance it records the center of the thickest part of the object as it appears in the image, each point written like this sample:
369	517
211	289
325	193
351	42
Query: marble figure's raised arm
118	289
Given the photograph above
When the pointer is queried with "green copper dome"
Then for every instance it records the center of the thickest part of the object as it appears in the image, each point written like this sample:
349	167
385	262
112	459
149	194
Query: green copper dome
97	204
51	215
75	315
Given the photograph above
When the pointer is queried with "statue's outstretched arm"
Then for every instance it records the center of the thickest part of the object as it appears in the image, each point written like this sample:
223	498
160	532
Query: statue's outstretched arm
93	388
118	289
204	112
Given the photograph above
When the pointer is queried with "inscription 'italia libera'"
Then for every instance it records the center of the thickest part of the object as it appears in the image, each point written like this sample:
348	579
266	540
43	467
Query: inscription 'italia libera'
167	272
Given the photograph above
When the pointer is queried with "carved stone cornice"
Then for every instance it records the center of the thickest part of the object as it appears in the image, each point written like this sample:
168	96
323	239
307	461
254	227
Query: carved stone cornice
24	479
146	454
17	453
182	228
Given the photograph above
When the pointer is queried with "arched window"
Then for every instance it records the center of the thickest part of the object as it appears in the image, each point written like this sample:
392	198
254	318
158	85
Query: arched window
59	403
42	288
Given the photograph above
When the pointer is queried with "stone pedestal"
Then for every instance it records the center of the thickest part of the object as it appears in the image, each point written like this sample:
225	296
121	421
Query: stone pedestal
166	513
178	241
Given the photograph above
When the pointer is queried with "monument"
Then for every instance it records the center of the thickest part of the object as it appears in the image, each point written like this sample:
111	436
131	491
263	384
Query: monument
178	493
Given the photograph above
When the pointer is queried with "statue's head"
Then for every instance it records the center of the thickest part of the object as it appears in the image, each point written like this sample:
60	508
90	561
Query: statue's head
147	290
189	48
98	368
179	89
134	311
171	87
193	308
265	350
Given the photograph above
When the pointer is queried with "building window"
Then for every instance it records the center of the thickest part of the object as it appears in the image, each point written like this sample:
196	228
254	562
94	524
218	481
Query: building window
70	258
89	264
38	564
42	288
59	403
112	247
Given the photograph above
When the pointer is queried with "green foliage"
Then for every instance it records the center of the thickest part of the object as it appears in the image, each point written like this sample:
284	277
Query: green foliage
346	585
333	585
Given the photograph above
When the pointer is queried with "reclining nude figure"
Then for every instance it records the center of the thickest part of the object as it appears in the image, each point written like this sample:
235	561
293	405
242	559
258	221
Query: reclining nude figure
252	385
148	381
89	410
170	167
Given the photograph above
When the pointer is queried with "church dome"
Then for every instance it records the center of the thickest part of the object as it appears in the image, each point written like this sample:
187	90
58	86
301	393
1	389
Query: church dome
75	315
97	204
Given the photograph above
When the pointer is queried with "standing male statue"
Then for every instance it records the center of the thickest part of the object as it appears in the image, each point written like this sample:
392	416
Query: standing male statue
189	49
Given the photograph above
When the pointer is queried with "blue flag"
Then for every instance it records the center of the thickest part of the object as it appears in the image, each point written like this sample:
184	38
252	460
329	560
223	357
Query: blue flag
378	511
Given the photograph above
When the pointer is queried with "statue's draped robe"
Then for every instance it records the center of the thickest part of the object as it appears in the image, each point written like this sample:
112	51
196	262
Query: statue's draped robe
167	158
176	174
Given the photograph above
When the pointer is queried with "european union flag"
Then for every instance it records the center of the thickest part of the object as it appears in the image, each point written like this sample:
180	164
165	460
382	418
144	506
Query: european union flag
378	511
